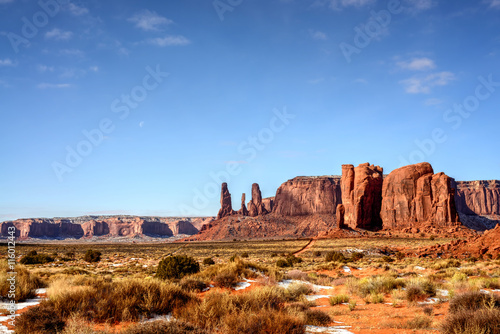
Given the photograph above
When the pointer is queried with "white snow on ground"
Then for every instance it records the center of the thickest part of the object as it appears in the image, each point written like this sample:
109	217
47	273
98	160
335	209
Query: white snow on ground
346	269
243	285
40	291
330	330
314	297
208	287
287	282
167	317
484	291
429	301
419	268
444	293
20	306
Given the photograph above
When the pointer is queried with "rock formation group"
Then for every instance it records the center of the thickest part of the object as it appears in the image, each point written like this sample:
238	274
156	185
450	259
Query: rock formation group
363	197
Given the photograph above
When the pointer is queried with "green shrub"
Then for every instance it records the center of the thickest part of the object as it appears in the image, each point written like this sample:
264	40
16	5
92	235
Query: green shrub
208	261
176	267
335	256
338	299
92	256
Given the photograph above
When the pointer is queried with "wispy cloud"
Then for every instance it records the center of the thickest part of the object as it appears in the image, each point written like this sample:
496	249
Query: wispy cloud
58	34
417	64
7	62
341	4
423	84
149	21
94	68
494	3
45	68
318	35
169	41
417	6
45	85
76	10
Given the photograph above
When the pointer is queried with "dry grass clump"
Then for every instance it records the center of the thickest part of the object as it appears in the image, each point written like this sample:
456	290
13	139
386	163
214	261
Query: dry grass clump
338	299
374	285
419	322
164	327
473	313
443	264
127	300
316	318
39	320
263	322
191	284
26	282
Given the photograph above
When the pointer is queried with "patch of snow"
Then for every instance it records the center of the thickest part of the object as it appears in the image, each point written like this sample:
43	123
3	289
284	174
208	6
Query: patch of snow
419	268
429	301
346	269
5	330
444	293
287	282
40	291
243	285
484	291
156	317
330	330
314	297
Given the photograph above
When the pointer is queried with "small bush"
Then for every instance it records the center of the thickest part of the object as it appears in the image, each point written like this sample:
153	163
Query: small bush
92	256
38	320
428	310
352	305
70	255
335	256
34	258
338	299
414	293
471	301
316	318
177	267
400	256
262	322
244	255
483	321
208	261
357	256
296	290
281	263
316	253
225	280
377	298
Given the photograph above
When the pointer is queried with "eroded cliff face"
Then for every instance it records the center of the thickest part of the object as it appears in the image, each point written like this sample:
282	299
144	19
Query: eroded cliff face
226	207
255	206
362	196
97	226
413	195
306	195
480	198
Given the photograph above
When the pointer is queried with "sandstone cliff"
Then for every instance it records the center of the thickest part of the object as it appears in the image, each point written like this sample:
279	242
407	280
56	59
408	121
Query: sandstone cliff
478	197
413	195
101	226
305	195
362	195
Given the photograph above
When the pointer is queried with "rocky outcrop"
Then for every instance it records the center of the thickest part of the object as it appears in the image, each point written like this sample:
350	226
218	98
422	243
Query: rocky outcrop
480	198
243	211
306	195
362	195
340	214
101	226
255	206
268	203
414	195
226	208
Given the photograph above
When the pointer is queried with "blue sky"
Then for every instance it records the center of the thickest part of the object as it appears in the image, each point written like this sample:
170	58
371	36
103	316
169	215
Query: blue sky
145	107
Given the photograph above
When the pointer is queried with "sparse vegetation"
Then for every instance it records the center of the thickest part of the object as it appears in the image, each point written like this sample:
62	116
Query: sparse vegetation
92	256
177	267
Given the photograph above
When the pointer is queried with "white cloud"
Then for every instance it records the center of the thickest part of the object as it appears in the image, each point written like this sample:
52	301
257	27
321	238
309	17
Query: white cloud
45	85
417	64
423	84
417	6
76	10
7	62
318	35
94	68
45	68
494	3
58	34
341	4
148	20
169	41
